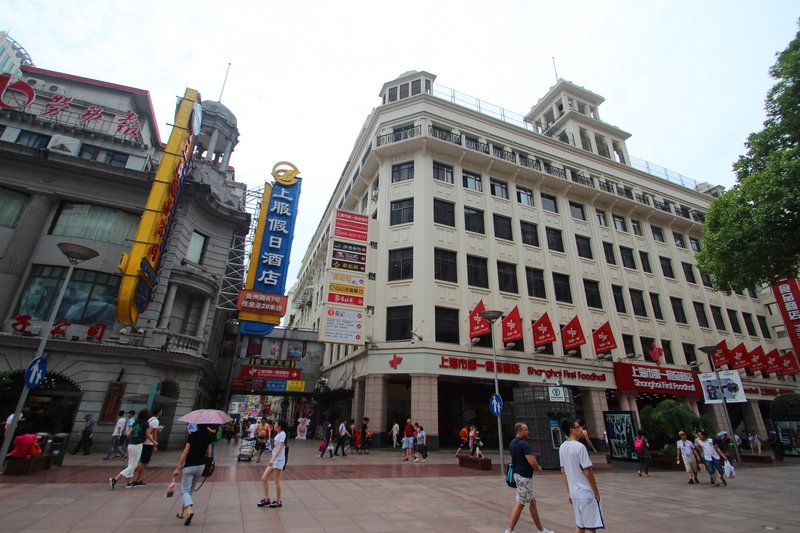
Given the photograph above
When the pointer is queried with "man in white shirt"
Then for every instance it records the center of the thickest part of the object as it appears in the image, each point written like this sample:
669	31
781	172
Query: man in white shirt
276	465
251	429
711	457
342	438
116	435
688	451
576	470
150	446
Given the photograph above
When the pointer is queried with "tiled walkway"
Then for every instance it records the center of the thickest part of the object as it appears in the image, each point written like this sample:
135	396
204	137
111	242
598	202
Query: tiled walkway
378	493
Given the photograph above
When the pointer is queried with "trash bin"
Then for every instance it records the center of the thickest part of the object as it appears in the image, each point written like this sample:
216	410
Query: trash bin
58	448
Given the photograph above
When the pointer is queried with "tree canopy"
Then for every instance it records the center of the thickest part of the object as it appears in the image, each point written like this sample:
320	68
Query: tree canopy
752	232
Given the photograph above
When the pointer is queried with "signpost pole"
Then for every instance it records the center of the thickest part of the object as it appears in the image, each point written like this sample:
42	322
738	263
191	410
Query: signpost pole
492	317
709	351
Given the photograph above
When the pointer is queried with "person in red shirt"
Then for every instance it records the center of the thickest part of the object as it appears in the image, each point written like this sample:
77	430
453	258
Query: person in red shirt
23	442
409	434
463	438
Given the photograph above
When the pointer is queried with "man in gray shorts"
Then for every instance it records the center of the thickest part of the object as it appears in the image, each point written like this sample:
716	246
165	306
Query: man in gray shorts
524	462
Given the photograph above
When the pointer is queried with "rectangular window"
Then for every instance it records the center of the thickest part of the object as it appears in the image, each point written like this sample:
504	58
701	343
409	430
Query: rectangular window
477	272
529	233
677	310
592	290
680	242
403	172
95	222
473	220
445	267
647	345
584	245
399	322
644	257
197	248
751	292
733	318
601	218
507	277
32	139
705	279
716	314
502	227
12	204
700	313
619	223
628	261
442	172
525	196
576	210
549	203
608	250
444	212
401	264
695	244
688	272
91	296
471	181
637	302
535	279
447	325
628	344
667	347
637	227
619	299
762	324
688	353
561	288
666	267
498	188
554	240
658	233
655	303
749	324
402	212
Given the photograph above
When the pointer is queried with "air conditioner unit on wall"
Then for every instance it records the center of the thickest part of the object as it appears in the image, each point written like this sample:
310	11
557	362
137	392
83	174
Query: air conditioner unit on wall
64	145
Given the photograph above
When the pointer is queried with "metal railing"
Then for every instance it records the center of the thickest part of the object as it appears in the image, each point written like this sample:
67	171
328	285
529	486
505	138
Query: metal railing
583	180
554	171
530	162
478	146
664	206
444	135
184	344
399	135
507	155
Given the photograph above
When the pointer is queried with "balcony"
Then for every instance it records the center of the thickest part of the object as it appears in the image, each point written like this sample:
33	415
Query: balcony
530	162
474	144
664	206
697	216
625	193
401	135
184	344
507	155
583	180
606	186
682	212
444	135
642	198
554	171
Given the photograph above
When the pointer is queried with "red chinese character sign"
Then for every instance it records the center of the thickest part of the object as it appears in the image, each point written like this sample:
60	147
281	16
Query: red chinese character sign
789	364
477	324
720	357
543	331
738	357
128	125
647	378
757	359
787	297
512	326
56	106
572	334
15	94
773	362
92	113
603	339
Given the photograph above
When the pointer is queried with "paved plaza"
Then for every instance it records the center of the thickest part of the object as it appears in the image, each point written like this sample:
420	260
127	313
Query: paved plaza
380	493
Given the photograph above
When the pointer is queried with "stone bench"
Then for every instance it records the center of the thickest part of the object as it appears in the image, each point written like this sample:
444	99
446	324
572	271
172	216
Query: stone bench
22	467
475	462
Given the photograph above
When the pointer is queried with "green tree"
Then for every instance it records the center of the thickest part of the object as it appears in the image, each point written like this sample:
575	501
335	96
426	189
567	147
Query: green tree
785	407
662	422
752	232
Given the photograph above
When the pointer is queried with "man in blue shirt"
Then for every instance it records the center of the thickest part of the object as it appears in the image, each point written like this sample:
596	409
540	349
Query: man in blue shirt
524	462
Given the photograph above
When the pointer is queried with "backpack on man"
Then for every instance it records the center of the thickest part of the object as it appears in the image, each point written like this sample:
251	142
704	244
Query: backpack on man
638	445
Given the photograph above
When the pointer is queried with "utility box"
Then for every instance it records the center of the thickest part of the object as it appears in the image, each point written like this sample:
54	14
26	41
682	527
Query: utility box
545	410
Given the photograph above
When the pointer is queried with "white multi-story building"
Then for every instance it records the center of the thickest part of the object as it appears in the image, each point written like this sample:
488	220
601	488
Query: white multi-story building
469	202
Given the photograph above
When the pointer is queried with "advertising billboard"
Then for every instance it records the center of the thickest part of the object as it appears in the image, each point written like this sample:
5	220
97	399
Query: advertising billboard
731	387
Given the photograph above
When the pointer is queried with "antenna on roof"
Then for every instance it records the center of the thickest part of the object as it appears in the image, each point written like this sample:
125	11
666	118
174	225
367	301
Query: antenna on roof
554	68
223	83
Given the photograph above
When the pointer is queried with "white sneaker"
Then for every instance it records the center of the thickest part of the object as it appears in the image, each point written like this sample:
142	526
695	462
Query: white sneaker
545	530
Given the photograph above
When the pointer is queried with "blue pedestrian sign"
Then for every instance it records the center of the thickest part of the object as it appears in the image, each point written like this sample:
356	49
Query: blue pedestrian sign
34	374
496	404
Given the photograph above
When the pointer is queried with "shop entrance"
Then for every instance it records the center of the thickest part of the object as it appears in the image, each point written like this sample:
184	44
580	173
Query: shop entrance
467	402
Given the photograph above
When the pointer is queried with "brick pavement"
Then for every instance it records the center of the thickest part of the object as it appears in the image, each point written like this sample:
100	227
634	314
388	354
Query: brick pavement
379	493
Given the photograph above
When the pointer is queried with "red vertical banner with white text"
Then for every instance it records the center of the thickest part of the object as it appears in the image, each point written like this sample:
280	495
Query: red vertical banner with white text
787	296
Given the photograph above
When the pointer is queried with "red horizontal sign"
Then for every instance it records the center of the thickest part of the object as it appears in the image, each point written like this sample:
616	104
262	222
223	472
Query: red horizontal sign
247	384
355	217
346	224
347	234
646	378
263	372
261	302
346	299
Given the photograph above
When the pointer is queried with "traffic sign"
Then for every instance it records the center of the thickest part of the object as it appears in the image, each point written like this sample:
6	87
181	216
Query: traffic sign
34	374
496	404
557	394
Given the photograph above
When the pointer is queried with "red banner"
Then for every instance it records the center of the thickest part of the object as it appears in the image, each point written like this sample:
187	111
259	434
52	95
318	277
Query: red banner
720	357
543	332
477	324
512	326
263	372
758	359
787	296
603	339
789	364
647	378
738	357
109	412
773	362
572	334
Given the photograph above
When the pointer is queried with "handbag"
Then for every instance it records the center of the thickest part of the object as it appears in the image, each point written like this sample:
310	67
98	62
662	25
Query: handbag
35	449
510	476
208	469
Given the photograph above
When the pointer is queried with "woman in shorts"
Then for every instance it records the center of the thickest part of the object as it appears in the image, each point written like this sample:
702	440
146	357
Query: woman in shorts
276	466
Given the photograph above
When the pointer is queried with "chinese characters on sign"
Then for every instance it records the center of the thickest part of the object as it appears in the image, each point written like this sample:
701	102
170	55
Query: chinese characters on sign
787	297
259	302
645	378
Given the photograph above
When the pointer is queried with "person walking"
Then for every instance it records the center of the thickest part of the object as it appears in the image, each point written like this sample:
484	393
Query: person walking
131	421
642	448
578	476
686	450
395	431
263	434
327	440
755	442
117	437
422	445
352	441
150	446
191	465
463	440
341	439
85	441
524	463
711	457
362	446
408	440
276	466
137	434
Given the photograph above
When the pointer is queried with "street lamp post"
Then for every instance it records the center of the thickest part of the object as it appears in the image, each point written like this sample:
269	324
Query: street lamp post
492	317
75	253
710	351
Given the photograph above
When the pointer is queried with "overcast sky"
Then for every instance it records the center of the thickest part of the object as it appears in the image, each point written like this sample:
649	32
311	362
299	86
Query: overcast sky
686	79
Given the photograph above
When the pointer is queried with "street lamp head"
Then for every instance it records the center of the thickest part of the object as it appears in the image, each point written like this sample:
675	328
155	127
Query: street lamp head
76	253
709	349
492	315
